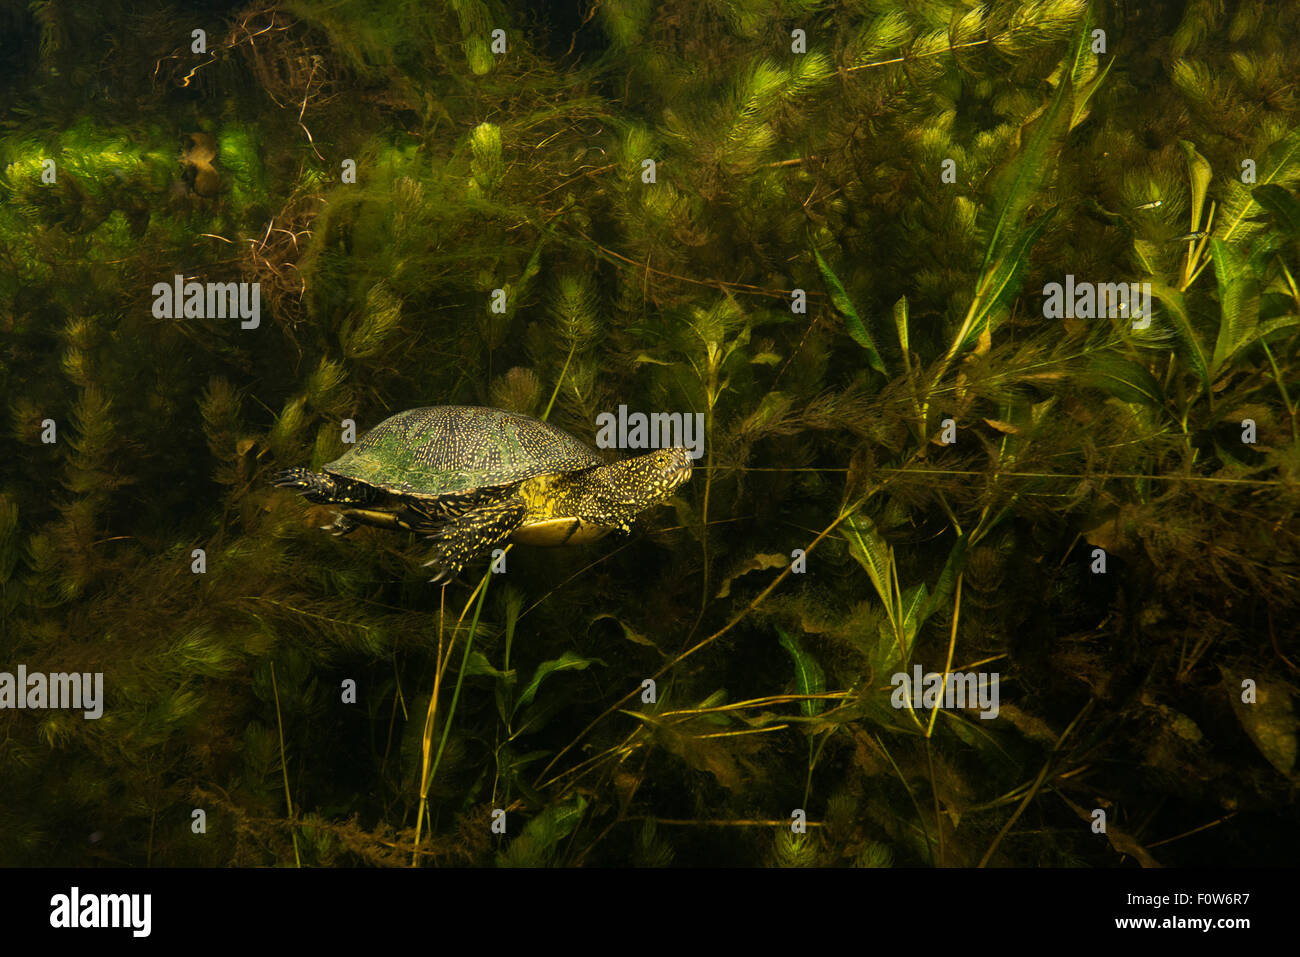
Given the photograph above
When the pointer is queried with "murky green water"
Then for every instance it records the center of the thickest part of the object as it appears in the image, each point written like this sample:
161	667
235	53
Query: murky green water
980	321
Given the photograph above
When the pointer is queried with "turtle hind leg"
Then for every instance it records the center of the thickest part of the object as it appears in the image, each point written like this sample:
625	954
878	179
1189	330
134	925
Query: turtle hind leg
314	487
304	480
342	525
474	532
324	489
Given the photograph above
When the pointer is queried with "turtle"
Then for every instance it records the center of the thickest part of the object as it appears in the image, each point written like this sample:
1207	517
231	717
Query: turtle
471	477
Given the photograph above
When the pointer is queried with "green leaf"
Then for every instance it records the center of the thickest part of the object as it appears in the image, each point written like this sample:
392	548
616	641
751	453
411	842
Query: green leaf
536	842
900	323
512	771
478	664
755	563
913	603
530	270
1269	720
1281	166
772	408
851	320
907	611
1015	186
1001	282
1198	174
1148	255
947	580
1189	345
630	633
1266	329
1085	91
1017	183
566	662
1238	303
870	551
889	652
1282	204
1123	378
808	675
1262	332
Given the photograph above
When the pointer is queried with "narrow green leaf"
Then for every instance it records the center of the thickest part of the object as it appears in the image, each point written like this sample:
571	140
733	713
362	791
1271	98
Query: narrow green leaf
1282	204
852	322
1086	90
1281	165
913	604
947	580
900	323
1266	329
758	562
566	662
870	551
536	842
1189	346
630	633
530	270
512	770
1123	378
1002	282
1238	303
1262	332
478	664
1198	174
1148	255
1269	719
808	675
1017	183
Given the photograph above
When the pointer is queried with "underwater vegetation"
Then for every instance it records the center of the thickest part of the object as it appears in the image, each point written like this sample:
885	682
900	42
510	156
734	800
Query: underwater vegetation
989	313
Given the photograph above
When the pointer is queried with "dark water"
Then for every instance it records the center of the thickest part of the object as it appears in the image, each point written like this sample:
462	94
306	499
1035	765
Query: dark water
967	401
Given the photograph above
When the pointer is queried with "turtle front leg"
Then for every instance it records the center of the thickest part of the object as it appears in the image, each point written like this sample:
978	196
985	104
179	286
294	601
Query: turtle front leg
471	534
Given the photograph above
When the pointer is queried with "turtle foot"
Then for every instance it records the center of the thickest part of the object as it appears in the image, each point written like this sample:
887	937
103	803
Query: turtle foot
291	478
445	562
341	525
445	575
313	486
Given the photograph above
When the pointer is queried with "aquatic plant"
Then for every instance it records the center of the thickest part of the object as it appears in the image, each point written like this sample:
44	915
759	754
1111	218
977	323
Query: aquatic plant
847	249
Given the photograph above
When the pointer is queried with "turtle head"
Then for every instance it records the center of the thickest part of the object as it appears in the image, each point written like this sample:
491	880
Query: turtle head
615	494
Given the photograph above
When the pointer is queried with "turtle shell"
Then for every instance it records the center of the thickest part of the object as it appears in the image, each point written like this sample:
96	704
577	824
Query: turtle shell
457	449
